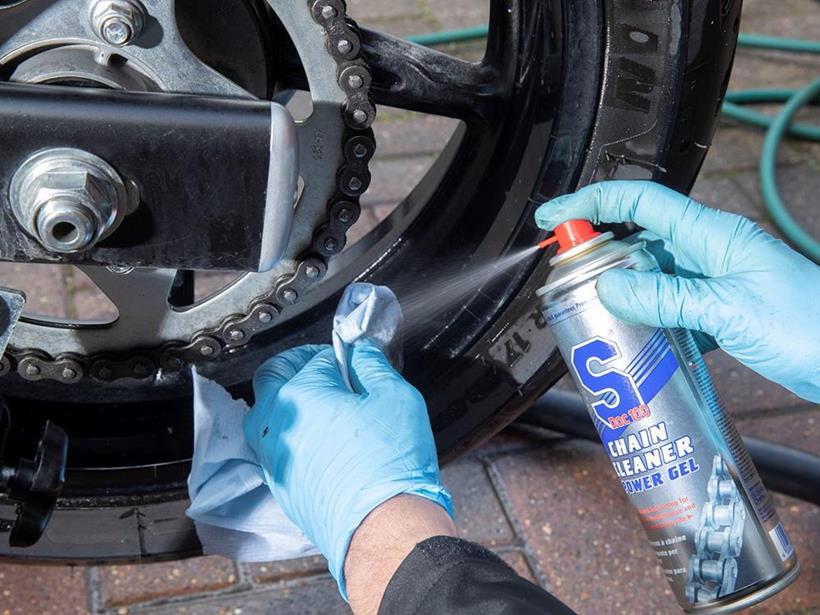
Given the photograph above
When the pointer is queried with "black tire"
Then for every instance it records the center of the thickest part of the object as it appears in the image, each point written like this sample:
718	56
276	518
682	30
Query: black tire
597	90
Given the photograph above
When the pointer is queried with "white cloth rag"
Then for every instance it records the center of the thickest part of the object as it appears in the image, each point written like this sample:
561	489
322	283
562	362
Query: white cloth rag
233	509
367	311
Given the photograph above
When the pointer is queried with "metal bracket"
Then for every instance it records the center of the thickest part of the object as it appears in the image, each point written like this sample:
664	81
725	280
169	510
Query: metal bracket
216	178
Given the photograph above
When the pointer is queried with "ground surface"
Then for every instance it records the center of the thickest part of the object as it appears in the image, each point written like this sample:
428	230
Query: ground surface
549	507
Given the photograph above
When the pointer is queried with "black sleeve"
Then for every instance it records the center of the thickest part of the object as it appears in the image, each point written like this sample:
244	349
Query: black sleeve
446	575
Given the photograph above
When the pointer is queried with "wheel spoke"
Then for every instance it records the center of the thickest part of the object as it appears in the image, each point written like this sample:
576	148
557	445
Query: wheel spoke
141	296
28	23
416	78
174	51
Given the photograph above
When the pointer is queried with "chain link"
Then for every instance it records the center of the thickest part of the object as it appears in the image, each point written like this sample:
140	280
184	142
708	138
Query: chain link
329	239
713	569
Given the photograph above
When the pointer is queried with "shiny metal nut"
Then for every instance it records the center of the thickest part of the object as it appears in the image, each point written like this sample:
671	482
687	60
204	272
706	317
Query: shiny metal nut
65	225
68	199
118	22
344	46
64	220
77	184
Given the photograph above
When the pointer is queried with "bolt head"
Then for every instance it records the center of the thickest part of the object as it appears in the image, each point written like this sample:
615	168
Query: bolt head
360	150
328	12
265	317
32	370
117	32
312	271
118	22
236	335
68	373
360	116
206	351
344	46
355	81
290	296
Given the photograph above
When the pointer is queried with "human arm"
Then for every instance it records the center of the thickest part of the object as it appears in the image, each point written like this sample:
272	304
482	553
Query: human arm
722	276
405	559
383	541
330	456
364	465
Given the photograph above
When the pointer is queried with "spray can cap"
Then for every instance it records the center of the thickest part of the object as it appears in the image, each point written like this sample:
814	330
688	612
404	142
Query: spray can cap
570	234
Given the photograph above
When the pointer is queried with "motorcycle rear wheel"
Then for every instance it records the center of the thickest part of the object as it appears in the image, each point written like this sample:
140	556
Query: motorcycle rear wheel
568	93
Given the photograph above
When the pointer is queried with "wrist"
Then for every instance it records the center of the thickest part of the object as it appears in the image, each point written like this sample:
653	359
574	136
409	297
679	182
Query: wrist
383	540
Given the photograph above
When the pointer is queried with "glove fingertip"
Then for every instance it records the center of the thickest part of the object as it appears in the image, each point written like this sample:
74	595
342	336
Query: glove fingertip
366	349
617	293
612	285
551	214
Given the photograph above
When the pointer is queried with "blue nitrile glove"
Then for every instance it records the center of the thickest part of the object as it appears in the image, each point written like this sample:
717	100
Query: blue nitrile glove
331	456
757	297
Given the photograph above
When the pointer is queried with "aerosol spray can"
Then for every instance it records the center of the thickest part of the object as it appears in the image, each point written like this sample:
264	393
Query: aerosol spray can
674	448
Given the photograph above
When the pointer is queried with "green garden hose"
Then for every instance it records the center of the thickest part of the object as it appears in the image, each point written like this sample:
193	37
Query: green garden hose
449	36
733	110
777	127
790	228
779	43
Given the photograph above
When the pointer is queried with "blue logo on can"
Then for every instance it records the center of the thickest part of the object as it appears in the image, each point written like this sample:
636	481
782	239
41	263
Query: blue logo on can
622	394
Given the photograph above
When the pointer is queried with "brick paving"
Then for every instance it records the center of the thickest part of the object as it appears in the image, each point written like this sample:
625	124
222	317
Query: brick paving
547	505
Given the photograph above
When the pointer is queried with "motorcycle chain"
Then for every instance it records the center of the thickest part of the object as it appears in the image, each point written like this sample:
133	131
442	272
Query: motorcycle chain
352	180
719	539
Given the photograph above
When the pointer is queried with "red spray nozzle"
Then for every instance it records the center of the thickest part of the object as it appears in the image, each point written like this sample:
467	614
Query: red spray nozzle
570	234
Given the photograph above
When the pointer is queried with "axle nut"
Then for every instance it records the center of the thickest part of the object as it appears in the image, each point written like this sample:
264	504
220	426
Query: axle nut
68	199
65	225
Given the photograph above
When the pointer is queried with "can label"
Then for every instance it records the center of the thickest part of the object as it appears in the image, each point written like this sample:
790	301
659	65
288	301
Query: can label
674	449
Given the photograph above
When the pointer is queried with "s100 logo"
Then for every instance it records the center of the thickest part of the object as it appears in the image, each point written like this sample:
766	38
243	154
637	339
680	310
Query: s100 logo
623	395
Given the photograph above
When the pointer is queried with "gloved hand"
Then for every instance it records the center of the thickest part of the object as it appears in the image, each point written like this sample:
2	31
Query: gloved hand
723	276
331	456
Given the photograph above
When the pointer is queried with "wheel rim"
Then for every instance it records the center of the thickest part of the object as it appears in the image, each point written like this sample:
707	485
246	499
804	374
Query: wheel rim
503	144
472	78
